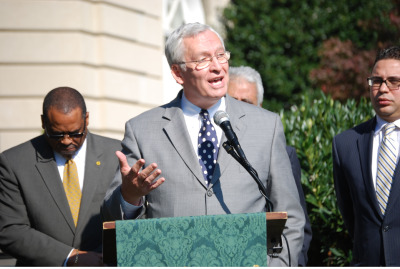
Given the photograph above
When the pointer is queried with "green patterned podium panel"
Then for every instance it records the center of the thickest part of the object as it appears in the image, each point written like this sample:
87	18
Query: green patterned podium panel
220	240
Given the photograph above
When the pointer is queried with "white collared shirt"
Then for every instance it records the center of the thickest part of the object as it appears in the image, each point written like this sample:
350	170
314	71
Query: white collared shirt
79	158
193	120
378	136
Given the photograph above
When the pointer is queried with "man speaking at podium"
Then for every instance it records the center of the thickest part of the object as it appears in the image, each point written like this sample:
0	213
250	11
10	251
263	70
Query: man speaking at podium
181	140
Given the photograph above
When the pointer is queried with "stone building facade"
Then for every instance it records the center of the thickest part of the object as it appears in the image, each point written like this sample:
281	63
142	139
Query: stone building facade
112	51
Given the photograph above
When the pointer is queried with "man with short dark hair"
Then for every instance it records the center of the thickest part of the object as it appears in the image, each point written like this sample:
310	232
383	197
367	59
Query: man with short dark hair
365	170
245	85
182	140
52	187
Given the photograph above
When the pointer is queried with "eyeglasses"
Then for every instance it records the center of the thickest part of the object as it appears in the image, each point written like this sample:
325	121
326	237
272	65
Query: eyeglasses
376	82
222	58
62	136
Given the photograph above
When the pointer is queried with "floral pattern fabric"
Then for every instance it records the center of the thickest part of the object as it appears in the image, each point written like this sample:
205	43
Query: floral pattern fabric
220	240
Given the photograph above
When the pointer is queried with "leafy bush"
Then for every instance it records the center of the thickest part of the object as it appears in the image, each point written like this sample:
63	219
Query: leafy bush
310	128
343	69
281	38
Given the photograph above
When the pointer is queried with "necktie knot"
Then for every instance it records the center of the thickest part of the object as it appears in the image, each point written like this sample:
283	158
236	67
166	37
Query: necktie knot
389	128
204	114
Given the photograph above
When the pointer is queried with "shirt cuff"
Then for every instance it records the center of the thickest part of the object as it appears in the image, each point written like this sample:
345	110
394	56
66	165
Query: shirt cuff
65	263
128	209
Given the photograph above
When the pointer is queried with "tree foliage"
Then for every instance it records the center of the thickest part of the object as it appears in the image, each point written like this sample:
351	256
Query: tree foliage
344	66
310	128
343	69
281	38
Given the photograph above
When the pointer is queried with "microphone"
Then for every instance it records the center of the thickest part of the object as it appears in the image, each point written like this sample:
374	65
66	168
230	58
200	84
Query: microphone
221	118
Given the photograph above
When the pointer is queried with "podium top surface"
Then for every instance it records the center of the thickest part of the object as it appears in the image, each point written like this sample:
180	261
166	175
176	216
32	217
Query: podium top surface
269	216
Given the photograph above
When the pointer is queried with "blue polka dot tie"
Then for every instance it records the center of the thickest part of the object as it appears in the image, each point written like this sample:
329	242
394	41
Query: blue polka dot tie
208	146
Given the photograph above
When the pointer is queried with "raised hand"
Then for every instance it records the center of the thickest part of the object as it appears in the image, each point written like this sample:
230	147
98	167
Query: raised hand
136	183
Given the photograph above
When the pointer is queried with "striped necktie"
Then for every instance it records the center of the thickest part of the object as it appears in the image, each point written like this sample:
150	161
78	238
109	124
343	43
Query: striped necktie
72	188
386	167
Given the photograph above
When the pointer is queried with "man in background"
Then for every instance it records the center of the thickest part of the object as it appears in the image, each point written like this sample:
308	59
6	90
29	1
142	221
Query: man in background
245	85
366	170
53	185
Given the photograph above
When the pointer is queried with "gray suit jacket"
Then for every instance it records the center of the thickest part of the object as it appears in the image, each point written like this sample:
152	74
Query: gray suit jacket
160	135
36	225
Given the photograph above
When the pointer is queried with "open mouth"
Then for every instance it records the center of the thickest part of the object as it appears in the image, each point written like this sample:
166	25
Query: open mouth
216	82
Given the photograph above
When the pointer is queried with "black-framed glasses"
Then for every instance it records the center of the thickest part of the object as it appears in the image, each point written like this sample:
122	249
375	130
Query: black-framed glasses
62	136
376	82
222	58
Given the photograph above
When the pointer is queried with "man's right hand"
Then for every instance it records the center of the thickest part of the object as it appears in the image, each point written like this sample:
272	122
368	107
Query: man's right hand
137	184
85	258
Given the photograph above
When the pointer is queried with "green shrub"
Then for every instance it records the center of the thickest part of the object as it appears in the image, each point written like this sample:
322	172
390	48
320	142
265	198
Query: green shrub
310	128
281	38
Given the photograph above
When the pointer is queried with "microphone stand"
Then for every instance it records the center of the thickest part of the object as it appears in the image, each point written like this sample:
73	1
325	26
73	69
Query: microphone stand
246	165
269	205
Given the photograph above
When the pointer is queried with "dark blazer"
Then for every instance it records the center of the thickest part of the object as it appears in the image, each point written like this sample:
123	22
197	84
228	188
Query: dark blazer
294	161
376	238
36	225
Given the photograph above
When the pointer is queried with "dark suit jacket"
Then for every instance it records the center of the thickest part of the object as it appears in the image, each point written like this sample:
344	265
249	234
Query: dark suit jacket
376	238
36	225
294	161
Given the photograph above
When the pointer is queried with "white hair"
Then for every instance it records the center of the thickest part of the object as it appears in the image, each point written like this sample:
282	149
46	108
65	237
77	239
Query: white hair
174	50
250	75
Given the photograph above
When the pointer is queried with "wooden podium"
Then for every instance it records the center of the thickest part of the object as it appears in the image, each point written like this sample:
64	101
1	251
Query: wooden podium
275	224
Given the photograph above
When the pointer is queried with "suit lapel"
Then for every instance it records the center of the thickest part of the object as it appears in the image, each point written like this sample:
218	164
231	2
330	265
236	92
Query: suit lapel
47	168
235	114
178	135
93	166
364	144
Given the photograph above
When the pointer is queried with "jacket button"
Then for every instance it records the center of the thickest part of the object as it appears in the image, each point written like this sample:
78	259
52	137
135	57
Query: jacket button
209	193
386	228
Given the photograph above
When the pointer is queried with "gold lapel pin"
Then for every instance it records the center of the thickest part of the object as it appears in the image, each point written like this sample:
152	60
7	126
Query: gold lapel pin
98	163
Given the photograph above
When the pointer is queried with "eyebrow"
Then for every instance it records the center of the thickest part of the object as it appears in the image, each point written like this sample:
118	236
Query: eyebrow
206	53
396	77
73	132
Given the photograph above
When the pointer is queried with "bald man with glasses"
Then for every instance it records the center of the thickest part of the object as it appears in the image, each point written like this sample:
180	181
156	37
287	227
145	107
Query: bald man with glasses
52	186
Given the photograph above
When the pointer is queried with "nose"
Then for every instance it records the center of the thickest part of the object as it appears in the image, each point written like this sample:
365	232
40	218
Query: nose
215	64
384	87
66	138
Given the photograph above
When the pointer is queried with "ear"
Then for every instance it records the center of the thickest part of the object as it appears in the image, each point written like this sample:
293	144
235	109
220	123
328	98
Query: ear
176	72
41	117
87	119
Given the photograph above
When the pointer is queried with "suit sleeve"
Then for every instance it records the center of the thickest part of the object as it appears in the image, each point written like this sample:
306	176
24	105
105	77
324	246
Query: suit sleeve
294	161
17	237
111	209
342	189
285	197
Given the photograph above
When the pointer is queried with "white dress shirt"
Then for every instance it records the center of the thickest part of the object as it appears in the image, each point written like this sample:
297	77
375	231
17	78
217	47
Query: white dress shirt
193	124
378	136
80	159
